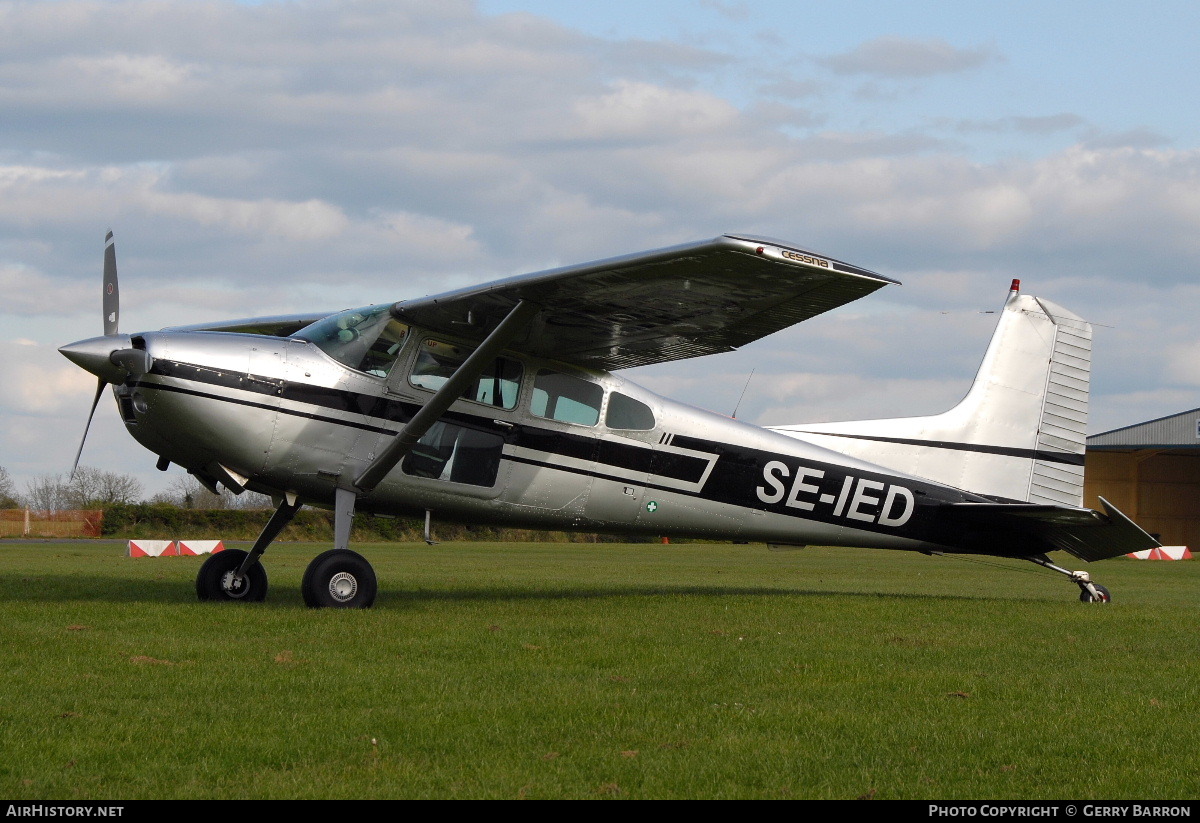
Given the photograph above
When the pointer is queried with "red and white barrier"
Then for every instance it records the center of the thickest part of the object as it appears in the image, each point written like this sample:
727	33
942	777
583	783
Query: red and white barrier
1163	553
194	547
152	548
171	548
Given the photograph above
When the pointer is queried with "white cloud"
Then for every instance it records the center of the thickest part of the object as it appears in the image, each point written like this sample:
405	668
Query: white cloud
902	57
29	292
648	112
37	380
263	158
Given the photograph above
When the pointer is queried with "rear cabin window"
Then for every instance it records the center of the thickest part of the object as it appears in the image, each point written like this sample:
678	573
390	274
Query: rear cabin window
626	413
498	386
558	396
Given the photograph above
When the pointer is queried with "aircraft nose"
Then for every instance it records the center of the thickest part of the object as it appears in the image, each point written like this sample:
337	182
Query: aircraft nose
96	356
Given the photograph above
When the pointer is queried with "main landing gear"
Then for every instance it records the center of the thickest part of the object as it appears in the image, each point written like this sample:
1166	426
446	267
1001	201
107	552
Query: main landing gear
1089	592
220	578
338	578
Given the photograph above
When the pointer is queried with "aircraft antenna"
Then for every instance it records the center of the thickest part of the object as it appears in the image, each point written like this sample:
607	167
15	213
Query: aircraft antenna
743	394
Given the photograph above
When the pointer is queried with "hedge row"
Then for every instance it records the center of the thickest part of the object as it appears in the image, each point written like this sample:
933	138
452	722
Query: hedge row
166	522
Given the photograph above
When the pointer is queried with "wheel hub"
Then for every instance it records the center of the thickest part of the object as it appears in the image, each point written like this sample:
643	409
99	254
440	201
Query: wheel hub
343	587
234	586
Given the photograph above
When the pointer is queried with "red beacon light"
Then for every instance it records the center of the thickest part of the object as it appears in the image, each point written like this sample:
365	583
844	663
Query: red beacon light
1016	285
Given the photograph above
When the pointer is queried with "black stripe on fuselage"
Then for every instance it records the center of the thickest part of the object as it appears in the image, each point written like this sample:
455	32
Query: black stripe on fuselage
141	384
783	483
815	490
605	453
1064	458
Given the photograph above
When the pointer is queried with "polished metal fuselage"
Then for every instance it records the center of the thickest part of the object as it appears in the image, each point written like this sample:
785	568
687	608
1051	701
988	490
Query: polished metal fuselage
279	416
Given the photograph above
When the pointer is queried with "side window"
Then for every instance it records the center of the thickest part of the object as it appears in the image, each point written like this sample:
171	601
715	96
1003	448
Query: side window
562	397
626	413
498	386
457	454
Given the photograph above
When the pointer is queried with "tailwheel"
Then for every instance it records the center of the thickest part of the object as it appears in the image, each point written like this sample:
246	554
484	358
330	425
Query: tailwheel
218	578
339	579
1089	592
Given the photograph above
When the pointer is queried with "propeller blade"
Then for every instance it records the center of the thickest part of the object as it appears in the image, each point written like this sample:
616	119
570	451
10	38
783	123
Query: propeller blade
100	384
112	297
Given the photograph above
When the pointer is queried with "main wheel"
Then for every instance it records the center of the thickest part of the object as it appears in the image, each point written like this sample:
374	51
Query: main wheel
339	579
1086	597
215	580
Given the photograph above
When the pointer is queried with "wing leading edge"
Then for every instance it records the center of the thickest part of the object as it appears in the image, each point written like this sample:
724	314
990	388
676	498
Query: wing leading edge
656	306
276	326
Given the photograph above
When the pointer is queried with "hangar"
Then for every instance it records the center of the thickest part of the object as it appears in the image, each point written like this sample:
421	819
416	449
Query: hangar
1151	472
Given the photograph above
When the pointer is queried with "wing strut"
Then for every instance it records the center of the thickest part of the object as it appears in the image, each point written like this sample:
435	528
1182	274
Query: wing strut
512	325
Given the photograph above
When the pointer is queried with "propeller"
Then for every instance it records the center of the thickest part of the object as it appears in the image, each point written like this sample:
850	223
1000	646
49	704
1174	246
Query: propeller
112	358
112	295
95	402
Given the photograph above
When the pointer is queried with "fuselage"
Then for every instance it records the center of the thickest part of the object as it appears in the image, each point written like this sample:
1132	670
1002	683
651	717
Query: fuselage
535	443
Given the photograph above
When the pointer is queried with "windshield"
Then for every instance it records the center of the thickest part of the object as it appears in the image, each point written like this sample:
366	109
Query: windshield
366	339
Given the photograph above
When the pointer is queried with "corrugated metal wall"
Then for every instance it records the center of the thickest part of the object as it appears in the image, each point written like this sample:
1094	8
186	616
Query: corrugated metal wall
1181	429
1158	491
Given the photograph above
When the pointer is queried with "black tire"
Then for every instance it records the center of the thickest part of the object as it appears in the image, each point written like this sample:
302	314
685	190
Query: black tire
339	579
1086	597
215	581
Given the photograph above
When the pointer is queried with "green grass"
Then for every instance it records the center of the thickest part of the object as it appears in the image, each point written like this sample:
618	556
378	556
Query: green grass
509	670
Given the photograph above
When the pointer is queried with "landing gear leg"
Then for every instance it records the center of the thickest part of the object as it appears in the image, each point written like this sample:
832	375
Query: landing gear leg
1089	592
340	578
237	575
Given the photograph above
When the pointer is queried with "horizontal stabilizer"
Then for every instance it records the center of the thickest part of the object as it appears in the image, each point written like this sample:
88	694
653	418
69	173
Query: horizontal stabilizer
1085	533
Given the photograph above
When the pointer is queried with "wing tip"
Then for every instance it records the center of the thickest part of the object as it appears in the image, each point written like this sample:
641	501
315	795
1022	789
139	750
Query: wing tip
793	253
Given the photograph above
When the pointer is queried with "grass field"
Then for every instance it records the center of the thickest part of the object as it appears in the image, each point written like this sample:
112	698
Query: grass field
598	671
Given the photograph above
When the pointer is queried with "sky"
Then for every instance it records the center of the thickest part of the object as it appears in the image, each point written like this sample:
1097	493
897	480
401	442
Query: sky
281	157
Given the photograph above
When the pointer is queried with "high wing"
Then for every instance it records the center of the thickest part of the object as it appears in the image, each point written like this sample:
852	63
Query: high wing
668	304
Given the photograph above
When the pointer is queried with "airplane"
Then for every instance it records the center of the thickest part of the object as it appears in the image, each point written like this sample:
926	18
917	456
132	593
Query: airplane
501	403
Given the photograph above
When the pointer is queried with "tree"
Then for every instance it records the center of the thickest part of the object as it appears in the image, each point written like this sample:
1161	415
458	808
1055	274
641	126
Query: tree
47	493
92	487
8	491
88	488
187	492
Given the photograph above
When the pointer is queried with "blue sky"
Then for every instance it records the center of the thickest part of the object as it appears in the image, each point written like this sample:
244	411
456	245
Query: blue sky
259	158
1120	67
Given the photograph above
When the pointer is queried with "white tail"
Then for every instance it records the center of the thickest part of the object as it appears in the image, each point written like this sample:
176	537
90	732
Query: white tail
1018	434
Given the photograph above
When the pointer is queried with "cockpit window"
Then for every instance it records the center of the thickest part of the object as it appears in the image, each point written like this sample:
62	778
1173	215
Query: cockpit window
366	339
499	385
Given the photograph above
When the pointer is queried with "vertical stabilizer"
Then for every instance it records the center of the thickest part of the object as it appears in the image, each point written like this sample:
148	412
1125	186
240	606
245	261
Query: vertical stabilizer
1018	434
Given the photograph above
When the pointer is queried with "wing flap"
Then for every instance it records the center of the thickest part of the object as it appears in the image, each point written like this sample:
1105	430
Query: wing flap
670	304
1085	533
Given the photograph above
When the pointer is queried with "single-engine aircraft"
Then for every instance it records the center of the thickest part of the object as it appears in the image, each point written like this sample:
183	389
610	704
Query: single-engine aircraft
501	403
